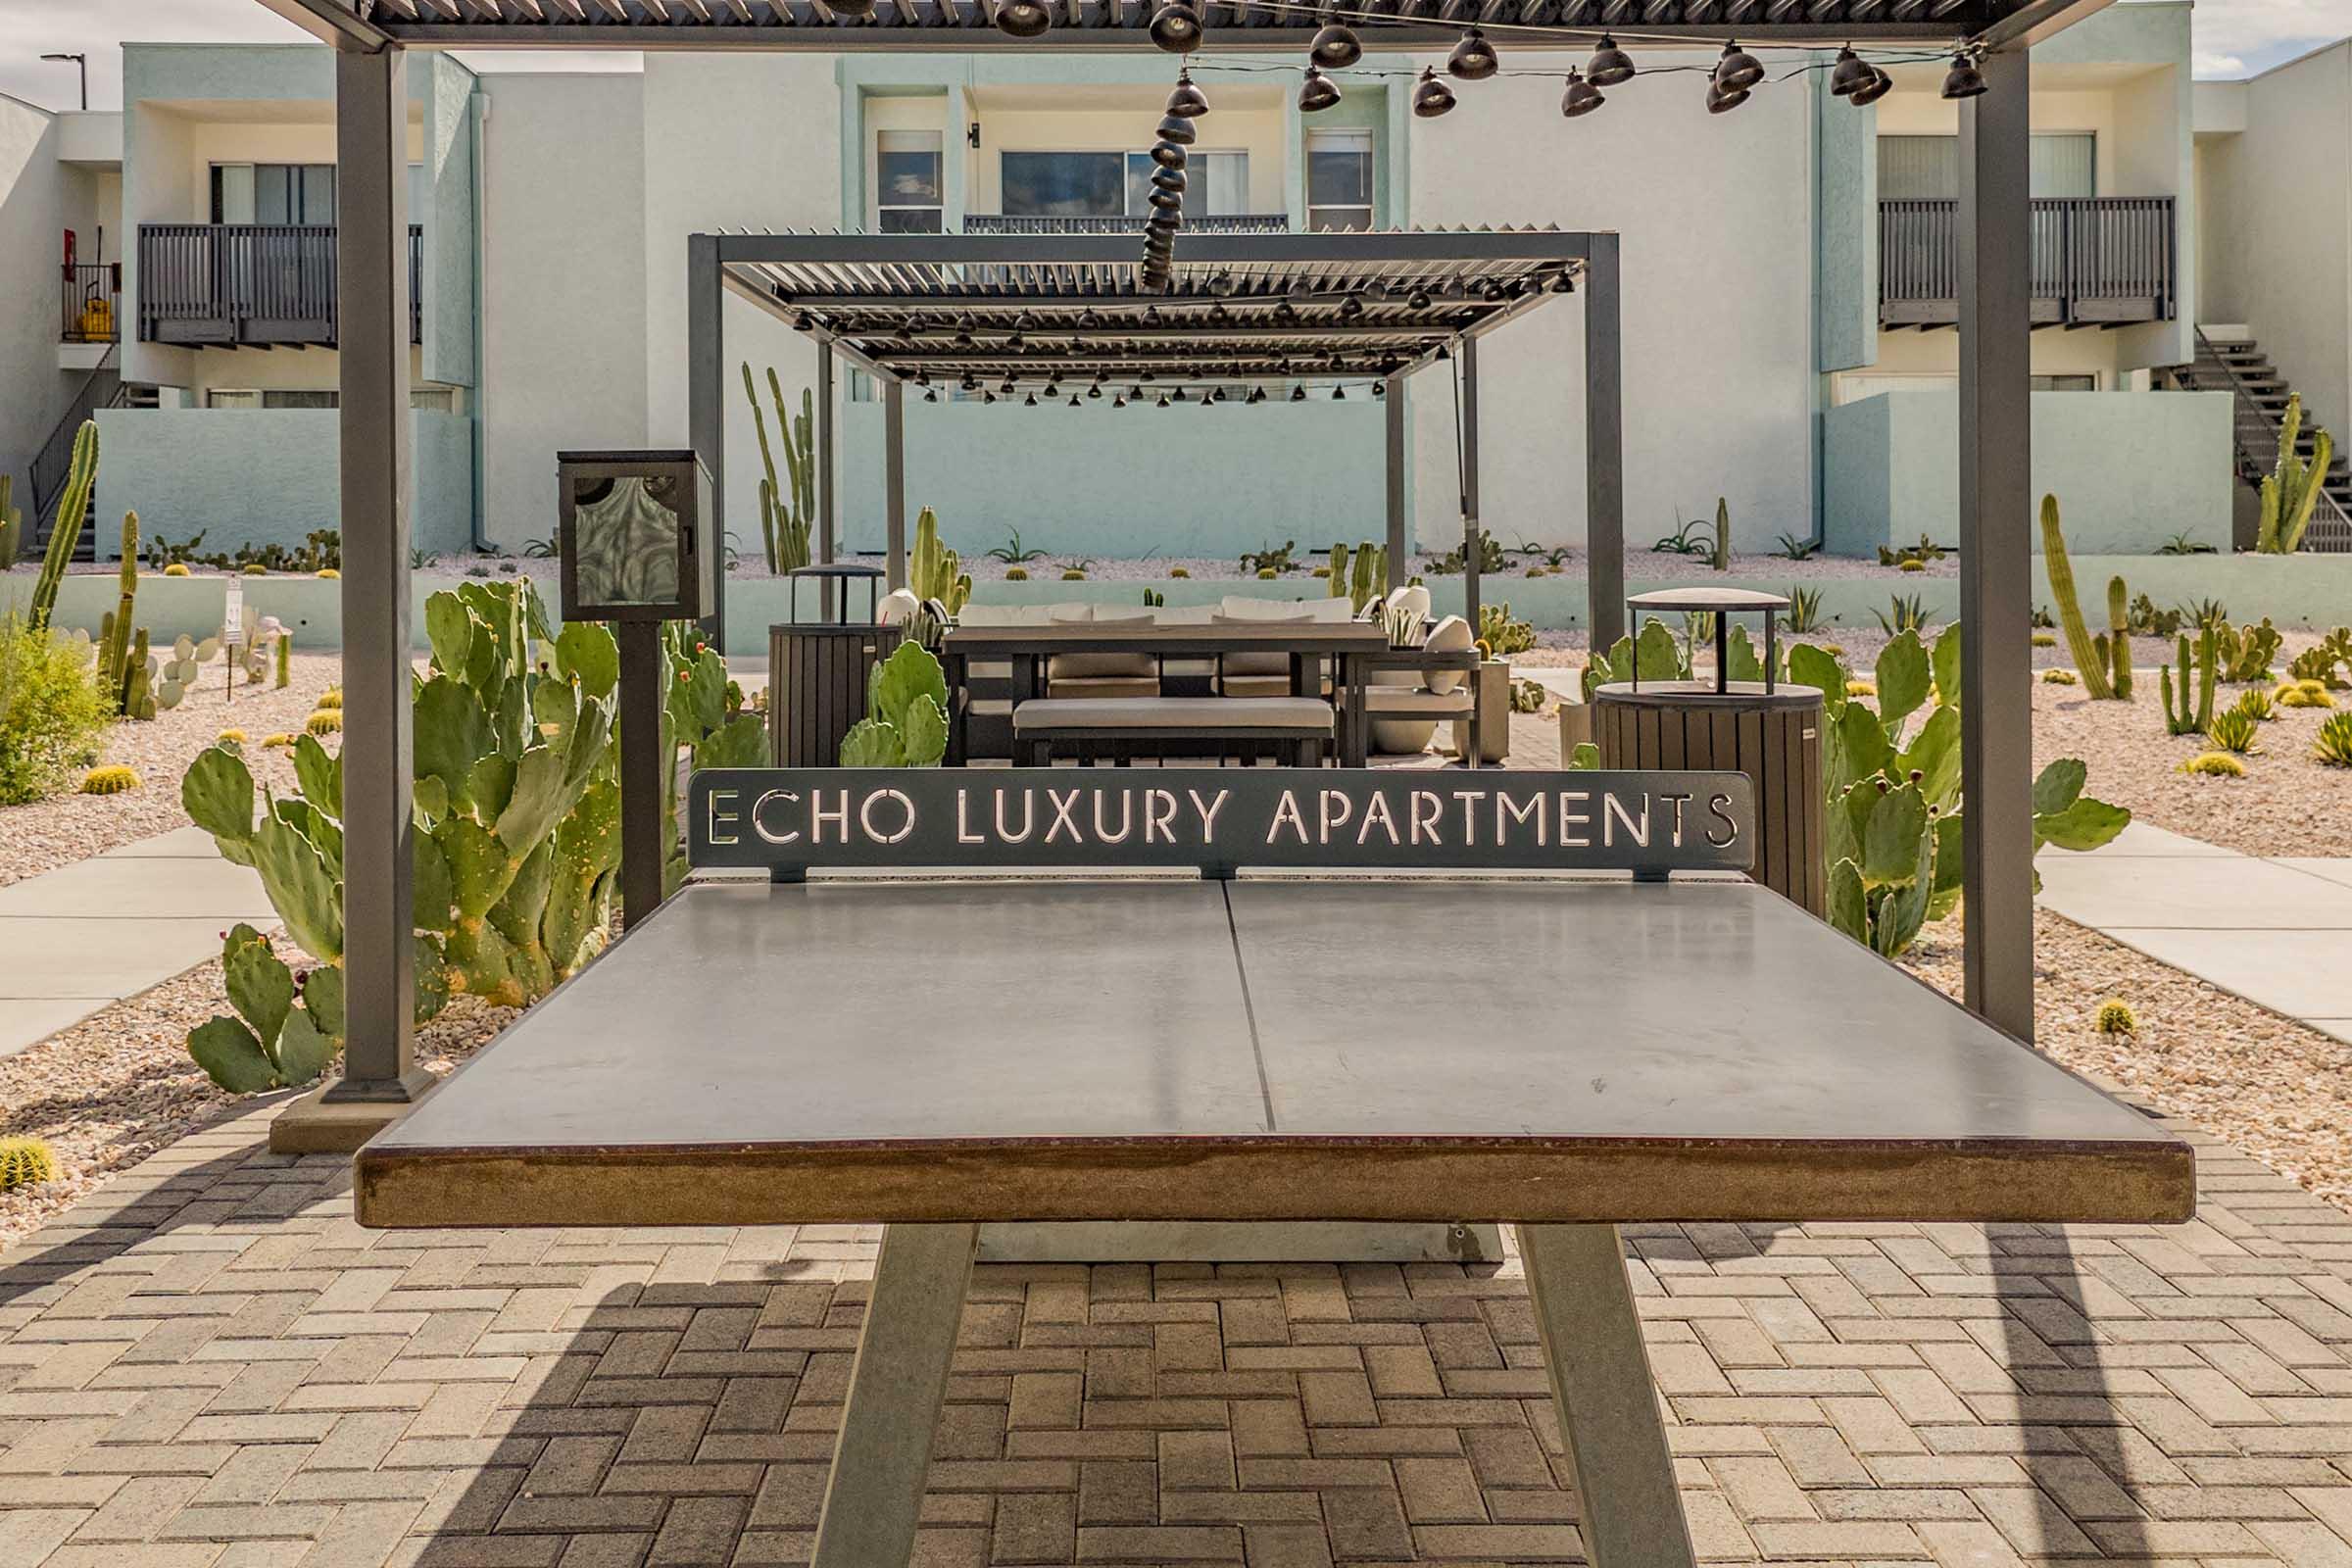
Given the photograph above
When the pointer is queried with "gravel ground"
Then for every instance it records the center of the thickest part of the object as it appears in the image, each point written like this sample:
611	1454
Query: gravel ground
120	1085
2277	1089
44	835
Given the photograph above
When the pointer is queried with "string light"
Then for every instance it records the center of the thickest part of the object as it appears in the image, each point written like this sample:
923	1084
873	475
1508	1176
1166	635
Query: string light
1964	79
1335	46
1433	97
1609	64
1473	58
1316	91
1020	19
1581	98
1175	27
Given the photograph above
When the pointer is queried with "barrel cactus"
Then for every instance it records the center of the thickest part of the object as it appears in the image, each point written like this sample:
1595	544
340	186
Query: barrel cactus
25	1162
111	779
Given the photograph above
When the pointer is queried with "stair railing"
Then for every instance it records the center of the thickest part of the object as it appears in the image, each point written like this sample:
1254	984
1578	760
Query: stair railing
102	388
2330	530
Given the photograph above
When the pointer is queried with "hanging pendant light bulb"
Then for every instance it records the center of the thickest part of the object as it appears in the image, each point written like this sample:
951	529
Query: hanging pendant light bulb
1473	58
1178	129
1721	102
1316	92
1609	64
1964	79
1335	46
988	397
1134	394
1339	394
1870	92
1257	394
1175	27
1023	19
1163	400
1095	391
1433	97
1297	394
930	394
1186	102
1029	402
1850	73
1073	400
1419	299
1168	179
1380	389
1582	97
1180	394
1007	387
1737	69
970	383
1118	402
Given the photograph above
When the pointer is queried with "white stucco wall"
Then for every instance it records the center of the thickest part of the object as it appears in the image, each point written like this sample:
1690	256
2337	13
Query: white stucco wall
33	213
1717	312
2280	226
564	286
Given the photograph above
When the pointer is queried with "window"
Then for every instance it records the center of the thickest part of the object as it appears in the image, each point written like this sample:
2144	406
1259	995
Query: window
1338	179
440	399
906	182
1116	184
2061	164
222	397
273	193
2065	383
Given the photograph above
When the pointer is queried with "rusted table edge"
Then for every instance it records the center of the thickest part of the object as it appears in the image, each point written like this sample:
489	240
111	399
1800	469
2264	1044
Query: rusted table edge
1260	1179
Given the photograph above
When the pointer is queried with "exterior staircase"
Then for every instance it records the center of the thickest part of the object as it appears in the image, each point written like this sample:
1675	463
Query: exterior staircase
104	388
2237	365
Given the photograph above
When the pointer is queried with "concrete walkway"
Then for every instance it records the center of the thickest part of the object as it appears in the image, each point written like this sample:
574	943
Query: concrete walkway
2274	930
87	935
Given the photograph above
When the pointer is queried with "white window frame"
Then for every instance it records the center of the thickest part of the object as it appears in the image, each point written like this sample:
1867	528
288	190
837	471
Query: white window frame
1124	155
909	140
1337	138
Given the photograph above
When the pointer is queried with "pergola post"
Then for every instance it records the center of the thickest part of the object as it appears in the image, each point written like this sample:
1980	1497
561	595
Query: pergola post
894	482
380	1074
1399	546
1473	537
1604	447
706	386
1996	562
827	532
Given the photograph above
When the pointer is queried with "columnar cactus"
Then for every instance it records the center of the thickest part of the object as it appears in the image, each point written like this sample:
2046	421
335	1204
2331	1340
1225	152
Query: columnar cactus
12	525
2090	659
2119	639
2183	719
2293	489
80	475
113	653
933	570
1723	534
785	517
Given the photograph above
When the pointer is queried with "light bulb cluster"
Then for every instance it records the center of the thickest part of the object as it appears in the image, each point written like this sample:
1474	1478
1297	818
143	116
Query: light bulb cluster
1136	395
1186	104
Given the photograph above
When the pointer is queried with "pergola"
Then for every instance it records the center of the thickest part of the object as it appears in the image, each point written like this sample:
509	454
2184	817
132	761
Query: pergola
1020	315
372	38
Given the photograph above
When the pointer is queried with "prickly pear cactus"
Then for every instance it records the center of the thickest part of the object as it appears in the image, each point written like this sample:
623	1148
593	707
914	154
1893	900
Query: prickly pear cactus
517	805
287	1026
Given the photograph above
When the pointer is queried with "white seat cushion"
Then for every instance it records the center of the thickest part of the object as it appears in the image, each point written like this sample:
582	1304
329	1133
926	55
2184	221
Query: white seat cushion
1059	685
1175	713
896	606
1421	703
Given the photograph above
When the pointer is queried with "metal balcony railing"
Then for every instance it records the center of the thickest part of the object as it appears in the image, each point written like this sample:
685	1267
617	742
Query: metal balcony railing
92	296
2097	260
250	283
1114	224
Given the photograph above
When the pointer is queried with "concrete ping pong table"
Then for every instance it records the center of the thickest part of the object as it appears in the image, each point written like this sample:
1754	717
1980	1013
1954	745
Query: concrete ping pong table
1298	1042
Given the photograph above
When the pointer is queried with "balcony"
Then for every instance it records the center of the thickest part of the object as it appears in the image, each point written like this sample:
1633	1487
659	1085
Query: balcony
2105	260
91	295
1115	224
257	285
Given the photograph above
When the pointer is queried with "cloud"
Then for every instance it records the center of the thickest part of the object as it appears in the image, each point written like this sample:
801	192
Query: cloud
2238	37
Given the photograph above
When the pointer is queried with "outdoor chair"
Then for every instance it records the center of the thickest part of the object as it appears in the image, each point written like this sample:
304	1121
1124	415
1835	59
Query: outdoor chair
1292	731
1407	701
1079	675
1269	674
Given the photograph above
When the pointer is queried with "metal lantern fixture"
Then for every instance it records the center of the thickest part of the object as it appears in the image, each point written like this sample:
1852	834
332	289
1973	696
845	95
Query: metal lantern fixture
1737	69
1186	102
1850	73
1316	92
1433	97
1609	64
1335	46
1722	102
1870	92
1582	97
1023	19
1473	58
1964	79
634	536
1175	27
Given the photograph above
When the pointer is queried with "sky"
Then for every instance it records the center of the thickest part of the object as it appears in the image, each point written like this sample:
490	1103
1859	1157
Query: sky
2233	39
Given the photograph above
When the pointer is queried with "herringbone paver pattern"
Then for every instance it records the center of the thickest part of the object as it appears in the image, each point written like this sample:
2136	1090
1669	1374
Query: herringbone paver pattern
214	1367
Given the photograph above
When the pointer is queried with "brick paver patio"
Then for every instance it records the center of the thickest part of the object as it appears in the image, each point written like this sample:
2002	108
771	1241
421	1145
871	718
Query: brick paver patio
212	1367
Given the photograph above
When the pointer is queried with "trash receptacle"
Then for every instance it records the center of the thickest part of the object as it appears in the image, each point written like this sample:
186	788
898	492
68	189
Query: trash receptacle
1768	730
817	668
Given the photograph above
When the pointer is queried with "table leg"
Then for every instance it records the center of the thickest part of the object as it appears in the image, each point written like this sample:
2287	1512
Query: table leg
1631	1513
1356	727
875	1493
953	666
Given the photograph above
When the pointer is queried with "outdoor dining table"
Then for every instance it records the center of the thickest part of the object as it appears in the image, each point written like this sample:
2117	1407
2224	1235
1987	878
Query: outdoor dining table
1307	643
1677	1045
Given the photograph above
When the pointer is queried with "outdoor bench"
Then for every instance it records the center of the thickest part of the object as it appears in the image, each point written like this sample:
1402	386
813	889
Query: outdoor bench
1294	731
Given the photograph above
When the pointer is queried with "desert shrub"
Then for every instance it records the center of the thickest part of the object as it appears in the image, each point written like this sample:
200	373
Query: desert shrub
51	713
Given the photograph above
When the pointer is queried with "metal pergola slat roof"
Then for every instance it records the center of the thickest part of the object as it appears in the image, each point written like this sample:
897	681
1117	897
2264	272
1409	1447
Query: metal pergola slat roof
968	25
1037	308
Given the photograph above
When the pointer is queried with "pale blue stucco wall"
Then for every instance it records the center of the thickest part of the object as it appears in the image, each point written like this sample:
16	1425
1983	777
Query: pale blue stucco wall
264	475
1845	164
2130	470
1104	481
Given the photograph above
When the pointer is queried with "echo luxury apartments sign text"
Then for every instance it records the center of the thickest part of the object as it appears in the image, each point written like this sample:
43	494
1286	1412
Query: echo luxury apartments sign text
788	820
